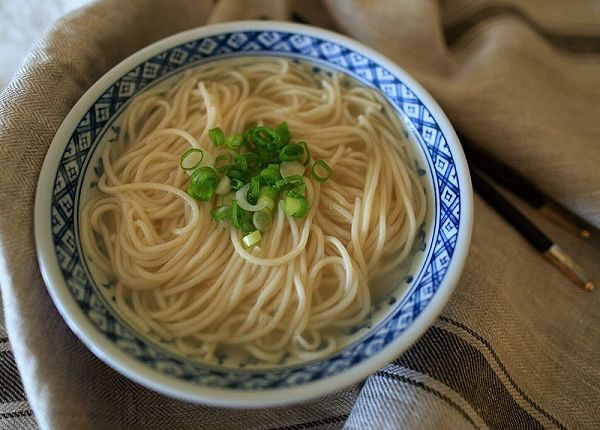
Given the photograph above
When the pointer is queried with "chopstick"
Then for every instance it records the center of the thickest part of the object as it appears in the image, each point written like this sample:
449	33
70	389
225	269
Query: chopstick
515	182
550	250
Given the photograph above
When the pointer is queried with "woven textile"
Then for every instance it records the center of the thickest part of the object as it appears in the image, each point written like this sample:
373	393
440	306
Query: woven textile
518	346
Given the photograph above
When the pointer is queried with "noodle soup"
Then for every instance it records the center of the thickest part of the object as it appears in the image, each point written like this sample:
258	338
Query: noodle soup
190	280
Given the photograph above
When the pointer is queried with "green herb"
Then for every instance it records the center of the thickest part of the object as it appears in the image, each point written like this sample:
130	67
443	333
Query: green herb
187	155
289	182
296	204
256	162
203	182
321	171
252	239
262	220
291	152
221	214
216	136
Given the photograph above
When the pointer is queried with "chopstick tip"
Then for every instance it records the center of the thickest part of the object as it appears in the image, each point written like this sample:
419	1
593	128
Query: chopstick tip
589	286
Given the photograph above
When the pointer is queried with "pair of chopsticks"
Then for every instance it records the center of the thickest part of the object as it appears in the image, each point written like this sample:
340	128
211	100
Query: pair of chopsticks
483	166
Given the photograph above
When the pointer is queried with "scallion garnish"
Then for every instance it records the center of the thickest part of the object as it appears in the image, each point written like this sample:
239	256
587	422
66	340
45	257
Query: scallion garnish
289	182
291	152
238	178
268	196
262	220
224	186
241	163
321	171
307	156
216	136
236	214
222	162
296	204
203	183
270	175
266	136
291	168
253	161
235	142
191	159
236	184
202	192
284	133
221	214
252	239
264	162
254	189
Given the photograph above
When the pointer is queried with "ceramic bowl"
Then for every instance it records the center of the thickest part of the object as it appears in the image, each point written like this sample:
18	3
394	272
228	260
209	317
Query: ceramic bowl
396	320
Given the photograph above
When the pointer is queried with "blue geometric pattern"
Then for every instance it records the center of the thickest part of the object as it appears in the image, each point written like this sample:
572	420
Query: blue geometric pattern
99	117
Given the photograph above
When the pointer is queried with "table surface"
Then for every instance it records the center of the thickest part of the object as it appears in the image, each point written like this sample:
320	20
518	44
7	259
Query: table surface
22	23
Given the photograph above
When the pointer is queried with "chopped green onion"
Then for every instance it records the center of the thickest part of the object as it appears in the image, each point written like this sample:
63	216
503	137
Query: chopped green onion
284	133
254	189
267	195
203	182
235	142
296	205
222	162
201	191
205	174
227	199
265	136
300	188
216	136
248	162
221	214
235	173
262	220
241	163
274	157
241	218
306	151
265	155
260	163
236	214
321	171
246	225
290	182
270	175
191	156
291	168
252	239
224	186
238	179
291	152
236	184
253	160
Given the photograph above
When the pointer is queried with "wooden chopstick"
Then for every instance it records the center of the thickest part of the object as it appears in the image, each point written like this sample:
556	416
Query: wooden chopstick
522	187
551	251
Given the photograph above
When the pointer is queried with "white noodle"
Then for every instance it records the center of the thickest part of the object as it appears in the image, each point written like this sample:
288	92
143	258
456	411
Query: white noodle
182	276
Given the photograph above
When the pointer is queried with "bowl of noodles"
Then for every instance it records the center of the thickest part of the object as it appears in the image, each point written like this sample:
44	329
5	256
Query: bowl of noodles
253	213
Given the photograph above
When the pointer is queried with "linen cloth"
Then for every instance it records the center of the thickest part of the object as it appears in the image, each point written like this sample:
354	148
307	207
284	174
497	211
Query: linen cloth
518	346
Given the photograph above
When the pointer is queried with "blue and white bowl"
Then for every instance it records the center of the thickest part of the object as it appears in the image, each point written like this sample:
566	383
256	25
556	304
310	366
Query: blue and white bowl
396	321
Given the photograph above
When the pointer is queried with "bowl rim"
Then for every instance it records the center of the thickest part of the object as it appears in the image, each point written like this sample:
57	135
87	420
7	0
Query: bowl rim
133	369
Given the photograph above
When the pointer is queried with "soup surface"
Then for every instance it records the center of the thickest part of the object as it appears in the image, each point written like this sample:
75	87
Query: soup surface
254	205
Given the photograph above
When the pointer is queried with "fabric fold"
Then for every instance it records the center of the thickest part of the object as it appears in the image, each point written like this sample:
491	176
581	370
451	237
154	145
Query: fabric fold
515	331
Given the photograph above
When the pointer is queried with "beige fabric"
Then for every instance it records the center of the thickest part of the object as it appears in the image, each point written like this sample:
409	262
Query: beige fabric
515	83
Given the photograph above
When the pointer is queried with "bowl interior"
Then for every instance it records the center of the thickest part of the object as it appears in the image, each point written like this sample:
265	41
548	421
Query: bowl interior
387	295
84	298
